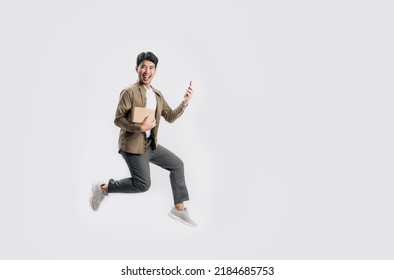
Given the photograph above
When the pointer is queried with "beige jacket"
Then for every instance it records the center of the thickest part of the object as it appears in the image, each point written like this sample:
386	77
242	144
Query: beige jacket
131	139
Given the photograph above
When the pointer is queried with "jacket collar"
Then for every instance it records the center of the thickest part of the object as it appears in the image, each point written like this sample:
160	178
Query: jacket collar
143	89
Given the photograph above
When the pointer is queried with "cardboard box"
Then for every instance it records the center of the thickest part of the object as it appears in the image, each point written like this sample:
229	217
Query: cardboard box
138	114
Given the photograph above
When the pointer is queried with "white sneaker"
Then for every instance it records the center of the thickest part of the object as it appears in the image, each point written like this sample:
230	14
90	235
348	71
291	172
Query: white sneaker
97	195
182	216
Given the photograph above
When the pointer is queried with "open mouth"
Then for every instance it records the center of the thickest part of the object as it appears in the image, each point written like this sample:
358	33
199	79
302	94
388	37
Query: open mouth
146	77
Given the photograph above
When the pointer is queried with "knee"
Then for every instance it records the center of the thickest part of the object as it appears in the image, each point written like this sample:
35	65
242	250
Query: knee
144	185
179	165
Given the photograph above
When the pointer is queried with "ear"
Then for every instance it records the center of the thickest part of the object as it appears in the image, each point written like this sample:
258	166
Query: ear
136	69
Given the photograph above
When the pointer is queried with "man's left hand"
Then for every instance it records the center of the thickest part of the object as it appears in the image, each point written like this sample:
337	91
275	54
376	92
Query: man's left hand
188	95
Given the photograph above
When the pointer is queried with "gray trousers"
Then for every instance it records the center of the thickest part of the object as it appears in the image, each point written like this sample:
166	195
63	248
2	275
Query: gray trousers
140	173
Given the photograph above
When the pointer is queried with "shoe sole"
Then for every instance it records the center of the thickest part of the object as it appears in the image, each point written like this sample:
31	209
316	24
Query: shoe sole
91	196
180	220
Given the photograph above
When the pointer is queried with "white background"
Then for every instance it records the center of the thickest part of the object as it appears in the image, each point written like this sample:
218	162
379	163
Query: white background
287	142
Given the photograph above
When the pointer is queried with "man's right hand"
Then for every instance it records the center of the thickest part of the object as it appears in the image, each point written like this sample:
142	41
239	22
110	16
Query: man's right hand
148	124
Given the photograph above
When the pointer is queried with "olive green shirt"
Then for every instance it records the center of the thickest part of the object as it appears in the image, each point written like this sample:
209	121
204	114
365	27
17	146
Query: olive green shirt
131	139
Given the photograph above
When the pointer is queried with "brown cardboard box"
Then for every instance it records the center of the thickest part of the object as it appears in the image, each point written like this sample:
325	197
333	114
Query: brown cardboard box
138	114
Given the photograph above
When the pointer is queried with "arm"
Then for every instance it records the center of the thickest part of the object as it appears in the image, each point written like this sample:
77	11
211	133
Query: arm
122	113
171	115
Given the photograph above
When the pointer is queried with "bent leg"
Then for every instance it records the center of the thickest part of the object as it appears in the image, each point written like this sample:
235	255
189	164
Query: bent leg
140	175
169	161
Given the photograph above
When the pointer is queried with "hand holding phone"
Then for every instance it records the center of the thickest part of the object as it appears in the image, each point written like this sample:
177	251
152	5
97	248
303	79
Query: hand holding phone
188	94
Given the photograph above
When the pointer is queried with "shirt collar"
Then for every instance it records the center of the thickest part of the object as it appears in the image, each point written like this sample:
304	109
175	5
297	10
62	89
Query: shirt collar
143	89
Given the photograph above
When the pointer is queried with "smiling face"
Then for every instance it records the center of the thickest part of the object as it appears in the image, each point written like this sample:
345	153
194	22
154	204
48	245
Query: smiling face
146	71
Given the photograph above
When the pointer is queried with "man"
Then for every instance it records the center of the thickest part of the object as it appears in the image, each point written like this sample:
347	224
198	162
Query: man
138	141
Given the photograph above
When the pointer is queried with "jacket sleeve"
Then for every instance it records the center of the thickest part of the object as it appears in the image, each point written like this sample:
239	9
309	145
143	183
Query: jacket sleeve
171	115
123	111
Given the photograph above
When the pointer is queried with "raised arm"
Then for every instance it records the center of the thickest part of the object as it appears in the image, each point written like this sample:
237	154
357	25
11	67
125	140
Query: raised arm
171	115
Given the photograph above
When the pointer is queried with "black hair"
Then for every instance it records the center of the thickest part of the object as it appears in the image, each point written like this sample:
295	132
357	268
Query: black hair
147	56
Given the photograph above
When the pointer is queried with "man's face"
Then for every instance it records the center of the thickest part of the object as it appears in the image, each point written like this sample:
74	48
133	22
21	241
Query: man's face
146	71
